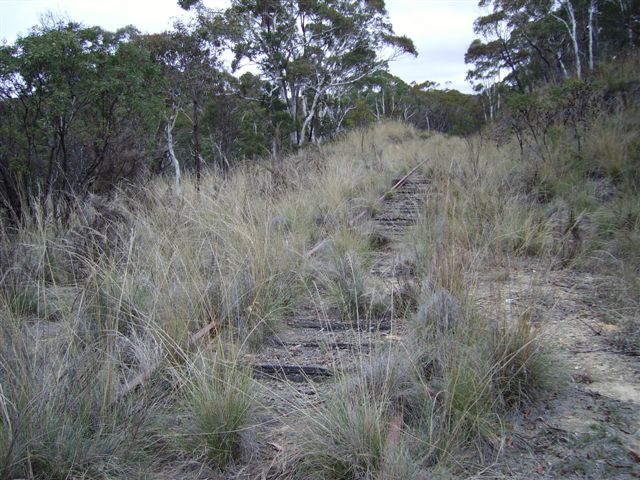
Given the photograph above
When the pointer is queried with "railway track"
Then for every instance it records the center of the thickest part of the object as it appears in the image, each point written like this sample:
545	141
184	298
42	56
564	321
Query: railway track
316	345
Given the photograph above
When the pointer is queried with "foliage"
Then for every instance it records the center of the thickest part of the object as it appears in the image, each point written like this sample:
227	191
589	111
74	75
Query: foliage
312	50
425	106
76	110
531	43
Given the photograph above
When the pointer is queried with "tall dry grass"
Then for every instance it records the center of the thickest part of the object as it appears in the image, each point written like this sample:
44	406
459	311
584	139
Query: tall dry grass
101	379
98	314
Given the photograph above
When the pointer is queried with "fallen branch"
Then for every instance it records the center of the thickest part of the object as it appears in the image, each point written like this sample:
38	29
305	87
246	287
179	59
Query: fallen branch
139	380
202	332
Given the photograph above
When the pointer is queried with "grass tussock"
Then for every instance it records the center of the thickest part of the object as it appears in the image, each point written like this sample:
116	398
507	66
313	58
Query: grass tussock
216	414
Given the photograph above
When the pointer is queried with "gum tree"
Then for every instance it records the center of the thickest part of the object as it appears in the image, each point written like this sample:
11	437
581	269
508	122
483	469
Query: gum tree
309	49
189	57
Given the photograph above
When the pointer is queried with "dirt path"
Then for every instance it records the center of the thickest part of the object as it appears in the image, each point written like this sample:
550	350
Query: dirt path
591	428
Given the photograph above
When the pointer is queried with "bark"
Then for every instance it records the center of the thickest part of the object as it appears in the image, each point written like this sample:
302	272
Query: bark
572	29
592	17
506	56
310	115
343	116
565	73
196	143
174	160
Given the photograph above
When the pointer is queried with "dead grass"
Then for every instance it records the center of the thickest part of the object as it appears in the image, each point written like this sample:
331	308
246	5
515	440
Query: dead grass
97	315
89	308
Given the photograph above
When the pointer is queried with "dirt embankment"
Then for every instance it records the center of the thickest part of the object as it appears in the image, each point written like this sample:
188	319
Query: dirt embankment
590	428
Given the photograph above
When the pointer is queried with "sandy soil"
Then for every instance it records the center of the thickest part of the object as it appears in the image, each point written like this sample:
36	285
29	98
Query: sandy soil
590	427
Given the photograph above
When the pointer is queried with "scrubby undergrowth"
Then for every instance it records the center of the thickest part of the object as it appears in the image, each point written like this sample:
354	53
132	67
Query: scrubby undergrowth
102	376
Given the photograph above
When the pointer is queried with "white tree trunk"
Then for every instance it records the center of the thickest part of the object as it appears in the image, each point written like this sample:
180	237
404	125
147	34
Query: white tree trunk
592	15
310	113
174	160
574	36
342	117
565	73
572	29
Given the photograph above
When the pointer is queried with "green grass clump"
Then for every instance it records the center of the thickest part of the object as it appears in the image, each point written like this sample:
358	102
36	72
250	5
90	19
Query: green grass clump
523	369
216	414
348	436
345	440
346	286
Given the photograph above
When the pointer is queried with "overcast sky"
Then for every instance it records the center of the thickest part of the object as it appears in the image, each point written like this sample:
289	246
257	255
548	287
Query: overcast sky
440	29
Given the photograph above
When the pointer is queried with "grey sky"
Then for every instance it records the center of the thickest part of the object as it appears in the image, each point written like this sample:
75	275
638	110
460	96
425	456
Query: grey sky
440	29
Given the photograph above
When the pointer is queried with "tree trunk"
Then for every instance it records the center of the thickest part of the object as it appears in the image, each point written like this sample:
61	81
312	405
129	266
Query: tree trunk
310	114
573	33
574	37
506	56
565	73
592	15
174	160
196	143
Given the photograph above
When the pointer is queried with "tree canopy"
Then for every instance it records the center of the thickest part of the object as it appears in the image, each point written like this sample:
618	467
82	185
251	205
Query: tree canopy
310	49
74	101
84	109
525	43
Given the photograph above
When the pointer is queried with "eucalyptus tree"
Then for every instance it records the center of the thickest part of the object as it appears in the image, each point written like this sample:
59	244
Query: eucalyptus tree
310	49
190	58
548	40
